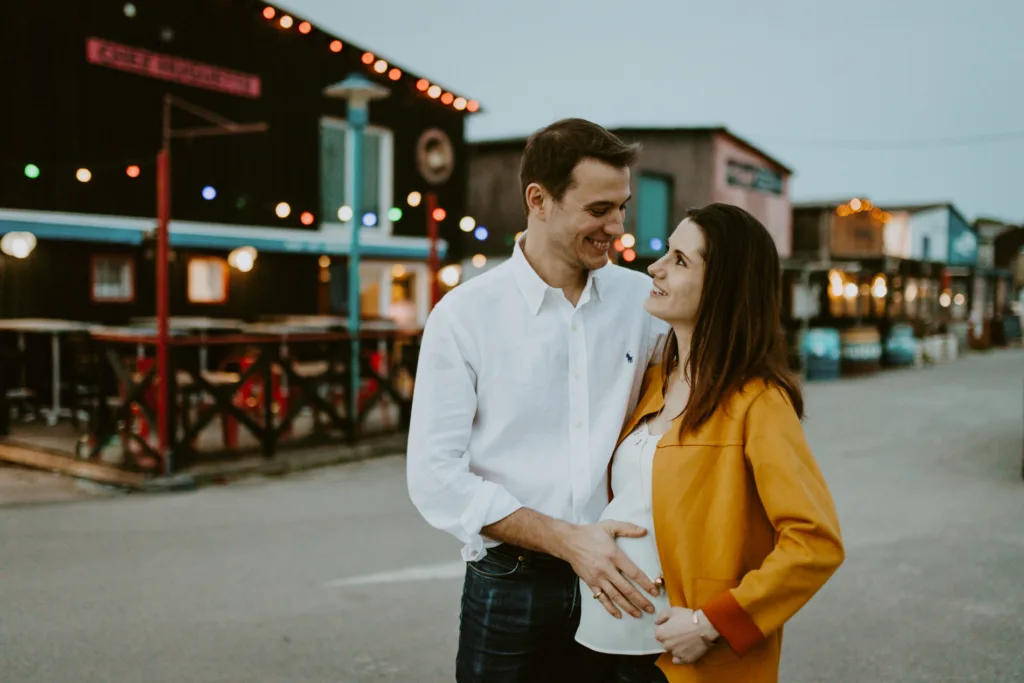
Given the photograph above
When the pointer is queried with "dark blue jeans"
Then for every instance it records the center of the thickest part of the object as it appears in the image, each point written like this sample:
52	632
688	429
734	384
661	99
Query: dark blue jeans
520	611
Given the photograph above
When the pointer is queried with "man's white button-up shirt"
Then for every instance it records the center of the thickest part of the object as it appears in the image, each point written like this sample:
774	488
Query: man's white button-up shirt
520	397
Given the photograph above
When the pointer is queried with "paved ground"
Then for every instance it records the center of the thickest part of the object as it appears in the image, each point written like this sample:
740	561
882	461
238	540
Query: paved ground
234	584
23	486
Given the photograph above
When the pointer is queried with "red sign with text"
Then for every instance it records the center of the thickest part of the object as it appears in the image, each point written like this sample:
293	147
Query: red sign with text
170	68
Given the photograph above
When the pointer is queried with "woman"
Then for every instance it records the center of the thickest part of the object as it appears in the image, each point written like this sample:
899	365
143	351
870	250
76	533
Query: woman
713	462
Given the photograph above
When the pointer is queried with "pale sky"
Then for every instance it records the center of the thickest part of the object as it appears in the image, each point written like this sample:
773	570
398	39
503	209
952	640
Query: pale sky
897	100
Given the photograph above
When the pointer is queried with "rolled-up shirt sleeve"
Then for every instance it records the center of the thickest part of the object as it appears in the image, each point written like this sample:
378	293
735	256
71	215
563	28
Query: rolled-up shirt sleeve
448	495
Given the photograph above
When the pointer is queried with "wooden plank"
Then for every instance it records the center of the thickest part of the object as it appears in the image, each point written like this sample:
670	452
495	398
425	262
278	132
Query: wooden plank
64	464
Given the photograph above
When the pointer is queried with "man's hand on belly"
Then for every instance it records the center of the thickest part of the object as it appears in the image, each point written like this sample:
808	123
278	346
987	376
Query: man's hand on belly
592	551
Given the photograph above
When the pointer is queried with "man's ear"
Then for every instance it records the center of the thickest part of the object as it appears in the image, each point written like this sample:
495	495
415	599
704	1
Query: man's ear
537	200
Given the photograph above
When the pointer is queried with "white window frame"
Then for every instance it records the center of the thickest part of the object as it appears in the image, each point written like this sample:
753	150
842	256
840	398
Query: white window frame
122	260
386	200
225	273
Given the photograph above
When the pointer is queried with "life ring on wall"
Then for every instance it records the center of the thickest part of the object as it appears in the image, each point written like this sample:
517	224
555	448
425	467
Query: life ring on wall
435	156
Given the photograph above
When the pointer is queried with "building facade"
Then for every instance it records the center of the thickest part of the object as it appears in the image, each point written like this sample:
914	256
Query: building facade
89	111
678	169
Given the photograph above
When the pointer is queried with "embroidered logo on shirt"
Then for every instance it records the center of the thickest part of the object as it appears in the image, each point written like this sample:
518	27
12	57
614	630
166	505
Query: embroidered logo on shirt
629	357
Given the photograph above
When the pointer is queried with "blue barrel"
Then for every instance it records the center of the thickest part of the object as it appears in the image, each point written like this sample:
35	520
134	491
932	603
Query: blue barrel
861	350
900	347
820	349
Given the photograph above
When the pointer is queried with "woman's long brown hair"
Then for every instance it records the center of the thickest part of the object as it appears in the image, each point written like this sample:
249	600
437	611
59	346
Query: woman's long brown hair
738	334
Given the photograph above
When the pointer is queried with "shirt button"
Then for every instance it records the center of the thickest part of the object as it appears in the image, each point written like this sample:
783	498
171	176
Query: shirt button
575	328
579	425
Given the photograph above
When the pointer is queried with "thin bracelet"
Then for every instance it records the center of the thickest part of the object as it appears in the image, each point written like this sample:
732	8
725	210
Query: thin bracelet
696	621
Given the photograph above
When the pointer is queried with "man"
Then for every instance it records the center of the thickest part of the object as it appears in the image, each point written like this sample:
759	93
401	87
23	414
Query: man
526	375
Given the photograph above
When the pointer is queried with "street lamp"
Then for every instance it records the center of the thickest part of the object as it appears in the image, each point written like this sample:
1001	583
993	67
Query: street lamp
358	91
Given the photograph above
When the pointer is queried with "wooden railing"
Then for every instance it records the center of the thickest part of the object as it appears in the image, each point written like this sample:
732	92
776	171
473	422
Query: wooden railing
260	387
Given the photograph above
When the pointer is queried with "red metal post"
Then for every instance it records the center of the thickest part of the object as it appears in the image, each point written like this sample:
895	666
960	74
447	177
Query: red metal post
433	260
163	185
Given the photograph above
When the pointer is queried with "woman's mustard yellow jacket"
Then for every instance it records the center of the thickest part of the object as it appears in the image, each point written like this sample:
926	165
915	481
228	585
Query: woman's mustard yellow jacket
745	525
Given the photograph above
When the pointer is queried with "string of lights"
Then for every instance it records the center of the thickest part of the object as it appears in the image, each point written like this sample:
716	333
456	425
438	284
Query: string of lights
374	62
135	169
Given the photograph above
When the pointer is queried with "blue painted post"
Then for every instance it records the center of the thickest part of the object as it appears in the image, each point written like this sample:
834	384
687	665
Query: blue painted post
358	116
358	92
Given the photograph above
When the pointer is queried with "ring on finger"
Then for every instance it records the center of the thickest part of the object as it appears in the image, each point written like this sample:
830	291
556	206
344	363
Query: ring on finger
598	594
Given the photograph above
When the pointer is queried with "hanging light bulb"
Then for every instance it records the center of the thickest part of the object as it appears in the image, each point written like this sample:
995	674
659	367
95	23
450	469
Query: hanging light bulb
450	275
879	288
18	244
243	259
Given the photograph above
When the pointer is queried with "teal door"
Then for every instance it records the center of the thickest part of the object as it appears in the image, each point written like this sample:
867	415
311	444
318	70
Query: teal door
653	214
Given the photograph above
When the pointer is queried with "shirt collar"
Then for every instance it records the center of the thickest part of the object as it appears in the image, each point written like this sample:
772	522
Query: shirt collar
534	289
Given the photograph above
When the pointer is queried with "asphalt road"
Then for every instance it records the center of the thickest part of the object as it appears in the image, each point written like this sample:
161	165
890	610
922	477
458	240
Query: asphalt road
241	584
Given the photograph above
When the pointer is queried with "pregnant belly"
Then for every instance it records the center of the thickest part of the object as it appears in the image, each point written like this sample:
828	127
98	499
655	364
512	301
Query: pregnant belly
643	552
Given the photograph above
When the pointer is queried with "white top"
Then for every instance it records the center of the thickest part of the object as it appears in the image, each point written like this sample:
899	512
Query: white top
520	397
632	470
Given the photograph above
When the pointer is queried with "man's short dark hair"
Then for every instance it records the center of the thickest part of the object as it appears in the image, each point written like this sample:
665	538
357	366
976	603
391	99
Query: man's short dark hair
552	153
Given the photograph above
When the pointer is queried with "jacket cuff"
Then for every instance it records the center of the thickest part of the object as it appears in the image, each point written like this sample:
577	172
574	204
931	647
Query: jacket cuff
733	622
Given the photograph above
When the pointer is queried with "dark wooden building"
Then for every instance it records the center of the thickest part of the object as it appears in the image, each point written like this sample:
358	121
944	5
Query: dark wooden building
85	84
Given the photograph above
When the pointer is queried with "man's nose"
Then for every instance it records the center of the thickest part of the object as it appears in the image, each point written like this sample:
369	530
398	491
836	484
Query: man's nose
615	227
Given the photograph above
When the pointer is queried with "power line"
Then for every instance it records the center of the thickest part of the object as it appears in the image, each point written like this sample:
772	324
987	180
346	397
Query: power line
884	145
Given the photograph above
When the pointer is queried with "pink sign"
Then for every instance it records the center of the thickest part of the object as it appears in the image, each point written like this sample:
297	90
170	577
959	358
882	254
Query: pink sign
170	68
